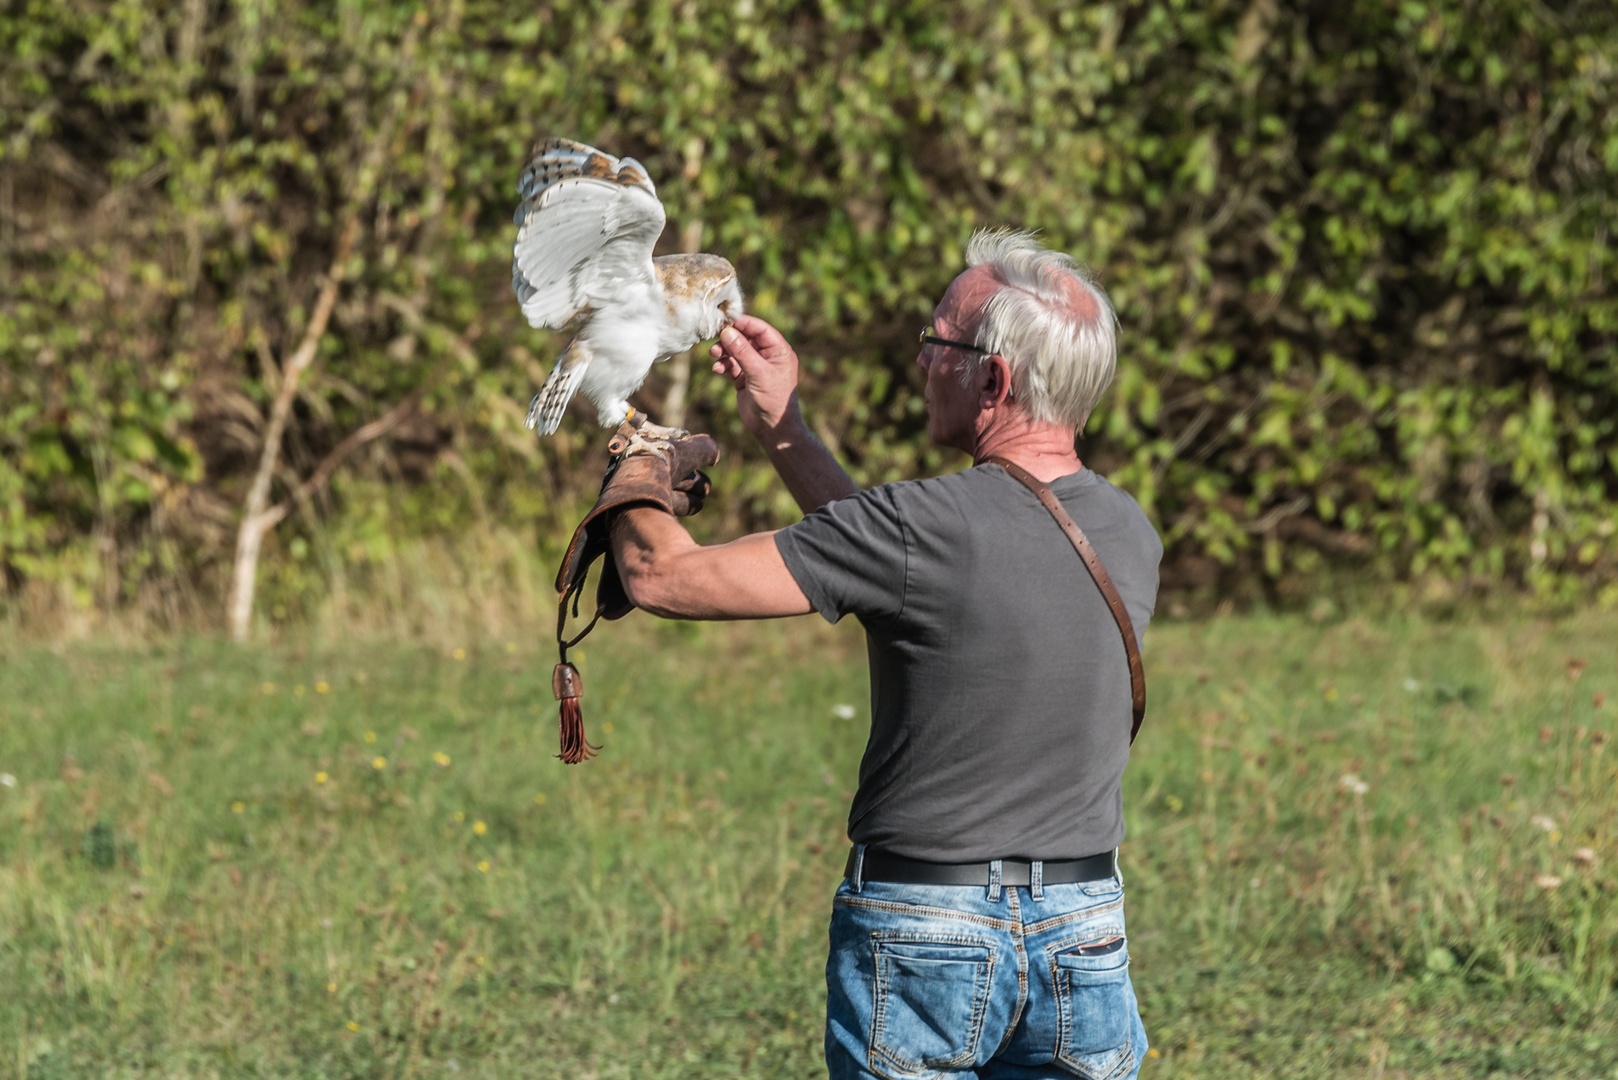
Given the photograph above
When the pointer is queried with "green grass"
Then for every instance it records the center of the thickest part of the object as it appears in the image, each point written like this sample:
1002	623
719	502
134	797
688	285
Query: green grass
180	895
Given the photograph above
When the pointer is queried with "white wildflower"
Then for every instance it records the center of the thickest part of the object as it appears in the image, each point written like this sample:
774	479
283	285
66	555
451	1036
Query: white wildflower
1543	821
1351	782
1547	881
7	780
843	712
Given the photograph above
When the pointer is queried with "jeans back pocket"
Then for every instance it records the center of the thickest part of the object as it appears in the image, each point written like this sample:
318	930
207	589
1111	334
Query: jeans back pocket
929	1003
1096	1006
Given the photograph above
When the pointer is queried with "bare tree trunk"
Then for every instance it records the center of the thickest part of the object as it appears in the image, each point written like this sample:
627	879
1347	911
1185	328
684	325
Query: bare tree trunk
257	516
680	366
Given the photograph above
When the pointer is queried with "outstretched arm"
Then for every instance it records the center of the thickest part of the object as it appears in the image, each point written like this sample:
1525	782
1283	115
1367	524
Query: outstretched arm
669	574
765	371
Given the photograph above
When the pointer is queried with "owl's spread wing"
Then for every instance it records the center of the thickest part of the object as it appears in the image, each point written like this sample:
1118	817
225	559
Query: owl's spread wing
585	229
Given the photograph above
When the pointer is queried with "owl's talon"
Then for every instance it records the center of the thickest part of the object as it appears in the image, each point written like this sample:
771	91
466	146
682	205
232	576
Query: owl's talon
649	430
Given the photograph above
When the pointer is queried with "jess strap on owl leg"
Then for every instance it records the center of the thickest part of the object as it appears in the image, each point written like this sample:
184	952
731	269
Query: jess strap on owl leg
653	471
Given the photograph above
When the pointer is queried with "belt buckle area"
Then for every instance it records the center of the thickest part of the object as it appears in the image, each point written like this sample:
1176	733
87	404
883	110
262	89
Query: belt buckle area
1012	872
1016	872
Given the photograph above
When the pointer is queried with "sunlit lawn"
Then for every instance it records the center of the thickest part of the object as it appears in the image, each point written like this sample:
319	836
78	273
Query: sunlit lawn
1364	849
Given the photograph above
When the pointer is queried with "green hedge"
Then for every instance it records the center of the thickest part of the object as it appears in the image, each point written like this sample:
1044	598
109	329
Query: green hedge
1360	251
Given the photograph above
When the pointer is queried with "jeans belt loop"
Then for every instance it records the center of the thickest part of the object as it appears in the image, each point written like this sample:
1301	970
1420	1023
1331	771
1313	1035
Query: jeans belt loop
1036	879
1117	873
994	881
859	868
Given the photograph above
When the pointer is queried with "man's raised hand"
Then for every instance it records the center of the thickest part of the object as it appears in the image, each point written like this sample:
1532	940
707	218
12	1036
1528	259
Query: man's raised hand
764	369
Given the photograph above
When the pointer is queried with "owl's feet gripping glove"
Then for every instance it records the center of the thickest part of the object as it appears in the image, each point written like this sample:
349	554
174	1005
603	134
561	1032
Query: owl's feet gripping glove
651	466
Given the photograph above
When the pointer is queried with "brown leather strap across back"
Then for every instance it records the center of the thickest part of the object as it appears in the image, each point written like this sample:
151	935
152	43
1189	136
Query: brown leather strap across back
1098	573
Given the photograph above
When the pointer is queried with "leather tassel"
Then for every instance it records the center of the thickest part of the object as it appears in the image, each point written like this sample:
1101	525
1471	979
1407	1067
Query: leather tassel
567	686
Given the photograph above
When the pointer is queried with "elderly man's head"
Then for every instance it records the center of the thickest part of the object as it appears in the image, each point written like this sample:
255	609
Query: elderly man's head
1045	338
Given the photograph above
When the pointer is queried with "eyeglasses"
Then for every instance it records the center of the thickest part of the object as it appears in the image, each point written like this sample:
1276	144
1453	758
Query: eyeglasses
927	338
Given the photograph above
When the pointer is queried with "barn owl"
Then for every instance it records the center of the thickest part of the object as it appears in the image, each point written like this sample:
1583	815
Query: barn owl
585	230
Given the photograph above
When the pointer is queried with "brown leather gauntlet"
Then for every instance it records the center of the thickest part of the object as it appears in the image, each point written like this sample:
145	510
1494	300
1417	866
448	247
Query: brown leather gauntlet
659	470
660	473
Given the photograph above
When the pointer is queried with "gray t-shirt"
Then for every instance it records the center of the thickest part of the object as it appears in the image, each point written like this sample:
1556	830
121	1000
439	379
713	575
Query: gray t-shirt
1000	705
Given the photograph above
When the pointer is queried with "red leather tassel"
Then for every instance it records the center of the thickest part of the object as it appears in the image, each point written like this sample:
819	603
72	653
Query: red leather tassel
567	685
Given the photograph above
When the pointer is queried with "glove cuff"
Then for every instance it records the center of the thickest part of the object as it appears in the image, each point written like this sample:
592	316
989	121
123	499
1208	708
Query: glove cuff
642	480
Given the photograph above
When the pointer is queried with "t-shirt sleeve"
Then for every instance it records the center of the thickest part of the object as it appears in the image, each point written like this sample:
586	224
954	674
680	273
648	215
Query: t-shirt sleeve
848	557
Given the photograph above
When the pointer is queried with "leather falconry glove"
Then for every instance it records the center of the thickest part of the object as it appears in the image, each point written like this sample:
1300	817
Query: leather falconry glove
658	468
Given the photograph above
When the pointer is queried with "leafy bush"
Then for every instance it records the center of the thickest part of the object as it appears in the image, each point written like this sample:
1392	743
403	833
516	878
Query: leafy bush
1359	252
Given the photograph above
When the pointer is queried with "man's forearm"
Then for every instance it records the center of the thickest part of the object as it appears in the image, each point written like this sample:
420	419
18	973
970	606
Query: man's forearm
669	574
804	464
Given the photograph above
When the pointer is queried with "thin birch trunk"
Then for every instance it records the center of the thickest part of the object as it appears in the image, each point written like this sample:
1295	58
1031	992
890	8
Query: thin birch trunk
257	515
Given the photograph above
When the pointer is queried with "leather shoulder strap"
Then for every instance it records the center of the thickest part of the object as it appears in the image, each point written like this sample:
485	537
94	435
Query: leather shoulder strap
1098	573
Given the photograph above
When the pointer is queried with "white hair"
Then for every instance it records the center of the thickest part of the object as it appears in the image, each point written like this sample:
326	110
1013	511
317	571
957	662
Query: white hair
1062	357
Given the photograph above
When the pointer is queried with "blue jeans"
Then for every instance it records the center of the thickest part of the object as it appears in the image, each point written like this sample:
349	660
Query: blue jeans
1013	983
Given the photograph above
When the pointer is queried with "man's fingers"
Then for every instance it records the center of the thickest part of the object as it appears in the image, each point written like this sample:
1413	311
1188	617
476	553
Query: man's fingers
731	370
760	334
751	349
739	348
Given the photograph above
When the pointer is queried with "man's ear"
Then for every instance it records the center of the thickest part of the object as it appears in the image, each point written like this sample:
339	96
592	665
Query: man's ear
994	382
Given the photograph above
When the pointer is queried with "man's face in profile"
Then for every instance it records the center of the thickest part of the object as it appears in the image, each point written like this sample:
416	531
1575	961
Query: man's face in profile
953	409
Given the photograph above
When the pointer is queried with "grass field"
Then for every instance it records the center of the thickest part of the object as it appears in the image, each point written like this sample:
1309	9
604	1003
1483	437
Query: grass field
1366	849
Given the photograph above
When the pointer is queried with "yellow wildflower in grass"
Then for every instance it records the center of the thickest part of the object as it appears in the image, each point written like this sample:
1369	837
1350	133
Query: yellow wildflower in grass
331	988
459	654
479	827
606	729
321	777
460	815
370	736
539	799
266	688
1331	693
237	807
353	1025
511	647
379	762
322	687
1152	1052
479	961
441	759
483	866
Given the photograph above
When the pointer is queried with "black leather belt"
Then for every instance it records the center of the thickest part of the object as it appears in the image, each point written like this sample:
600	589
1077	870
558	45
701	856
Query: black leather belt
881	866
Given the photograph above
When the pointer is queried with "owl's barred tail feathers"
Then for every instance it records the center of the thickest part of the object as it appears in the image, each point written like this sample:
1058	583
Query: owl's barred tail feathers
545	411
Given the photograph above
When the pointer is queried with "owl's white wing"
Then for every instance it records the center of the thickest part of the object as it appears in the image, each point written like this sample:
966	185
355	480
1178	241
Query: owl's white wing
585	229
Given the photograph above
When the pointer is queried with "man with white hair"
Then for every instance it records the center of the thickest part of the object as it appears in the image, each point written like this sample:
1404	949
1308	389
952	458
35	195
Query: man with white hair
980	928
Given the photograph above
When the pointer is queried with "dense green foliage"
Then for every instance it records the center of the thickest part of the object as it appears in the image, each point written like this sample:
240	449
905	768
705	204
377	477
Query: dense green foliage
1390	849
1360	252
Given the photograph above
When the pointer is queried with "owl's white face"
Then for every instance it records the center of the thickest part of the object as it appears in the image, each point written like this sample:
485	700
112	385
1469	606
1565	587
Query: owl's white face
722	307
